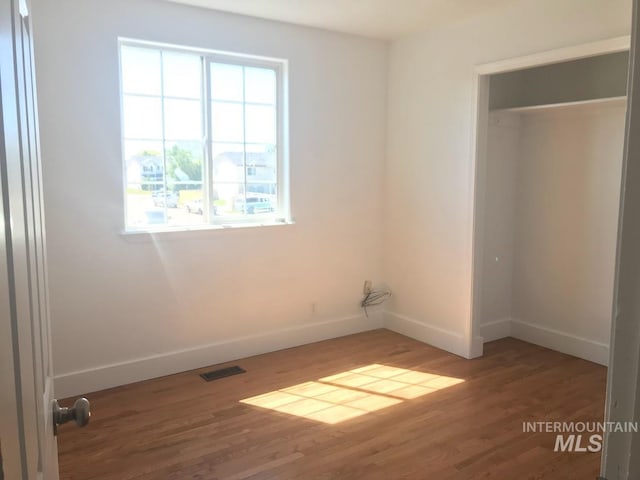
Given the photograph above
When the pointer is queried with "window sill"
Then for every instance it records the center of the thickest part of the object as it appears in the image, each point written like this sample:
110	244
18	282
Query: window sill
165	231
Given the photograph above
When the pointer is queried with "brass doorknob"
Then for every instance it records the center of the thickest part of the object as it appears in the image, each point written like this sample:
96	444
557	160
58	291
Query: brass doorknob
80	413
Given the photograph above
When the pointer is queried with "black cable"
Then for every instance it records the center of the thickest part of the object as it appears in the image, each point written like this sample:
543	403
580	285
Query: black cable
374	297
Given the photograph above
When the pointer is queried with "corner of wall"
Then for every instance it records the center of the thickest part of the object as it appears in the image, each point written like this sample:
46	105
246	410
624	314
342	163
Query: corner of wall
495	330
447	340
561	341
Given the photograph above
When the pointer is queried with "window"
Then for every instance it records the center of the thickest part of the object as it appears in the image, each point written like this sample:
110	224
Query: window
202	138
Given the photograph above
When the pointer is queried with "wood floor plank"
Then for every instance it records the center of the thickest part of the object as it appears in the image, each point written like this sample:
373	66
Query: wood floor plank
180	427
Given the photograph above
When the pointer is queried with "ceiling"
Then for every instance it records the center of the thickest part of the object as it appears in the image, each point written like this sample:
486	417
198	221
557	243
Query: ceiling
385	19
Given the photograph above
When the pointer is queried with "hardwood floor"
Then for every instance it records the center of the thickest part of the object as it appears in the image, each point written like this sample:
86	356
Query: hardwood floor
409	411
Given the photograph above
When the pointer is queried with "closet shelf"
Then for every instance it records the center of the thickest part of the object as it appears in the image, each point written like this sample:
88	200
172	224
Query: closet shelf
595	101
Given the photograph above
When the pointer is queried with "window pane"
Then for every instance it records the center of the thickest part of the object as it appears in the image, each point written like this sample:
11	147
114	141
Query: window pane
142	117
228	197
228	162
182	120
140	208
147	207
227	122
145	175
140	70
261	124
226	82
269	190
193	207
260	85
182	74
259	199
144	166
184	165
261	163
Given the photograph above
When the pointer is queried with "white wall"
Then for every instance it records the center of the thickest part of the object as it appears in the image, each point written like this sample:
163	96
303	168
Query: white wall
502	160
568	195
120	304
429	174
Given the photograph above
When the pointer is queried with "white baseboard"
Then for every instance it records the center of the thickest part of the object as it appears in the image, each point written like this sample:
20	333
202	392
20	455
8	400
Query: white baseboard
495	330
563	342
107	376
438	337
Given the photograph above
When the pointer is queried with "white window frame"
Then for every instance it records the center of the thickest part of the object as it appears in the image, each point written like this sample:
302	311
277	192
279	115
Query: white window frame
282	215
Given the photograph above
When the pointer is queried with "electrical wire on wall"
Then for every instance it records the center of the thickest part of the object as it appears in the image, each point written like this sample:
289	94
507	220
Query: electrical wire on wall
373	297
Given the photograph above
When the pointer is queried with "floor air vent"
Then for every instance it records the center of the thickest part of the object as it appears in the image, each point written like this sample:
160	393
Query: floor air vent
223	372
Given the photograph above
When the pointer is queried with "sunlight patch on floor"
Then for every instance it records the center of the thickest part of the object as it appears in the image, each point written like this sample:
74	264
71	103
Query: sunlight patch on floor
352	393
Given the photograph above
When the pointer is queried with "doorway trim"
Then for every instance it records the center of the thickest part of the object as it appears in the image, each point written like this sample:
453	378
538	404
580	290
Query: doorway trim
480	123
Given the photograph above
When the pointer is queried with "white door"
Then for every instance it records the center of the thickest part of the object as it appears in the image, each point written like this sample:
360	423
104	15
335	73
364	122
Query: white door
27	443
621	455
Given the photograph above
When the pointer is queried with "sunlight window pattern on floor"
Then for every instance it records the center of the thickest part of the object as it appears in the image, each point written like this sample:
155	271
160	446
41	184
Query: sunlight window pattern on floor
352	393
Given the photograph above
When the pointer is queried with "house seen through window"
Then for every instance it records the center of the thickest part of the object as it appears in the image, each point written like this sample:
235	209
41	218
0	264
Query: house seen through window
201	138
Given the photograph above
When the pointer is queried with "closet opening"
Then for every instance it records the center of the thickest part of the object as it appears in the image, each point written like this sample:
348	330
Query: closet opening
548	166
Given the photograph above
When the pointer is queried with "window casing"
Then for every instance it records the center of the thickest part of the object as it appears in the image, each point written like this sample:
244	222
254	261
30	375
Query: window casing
203	138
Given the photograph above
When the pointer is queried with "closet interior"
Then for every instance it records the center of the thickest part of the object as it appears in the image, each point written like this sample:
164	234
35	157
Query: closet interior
547	205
